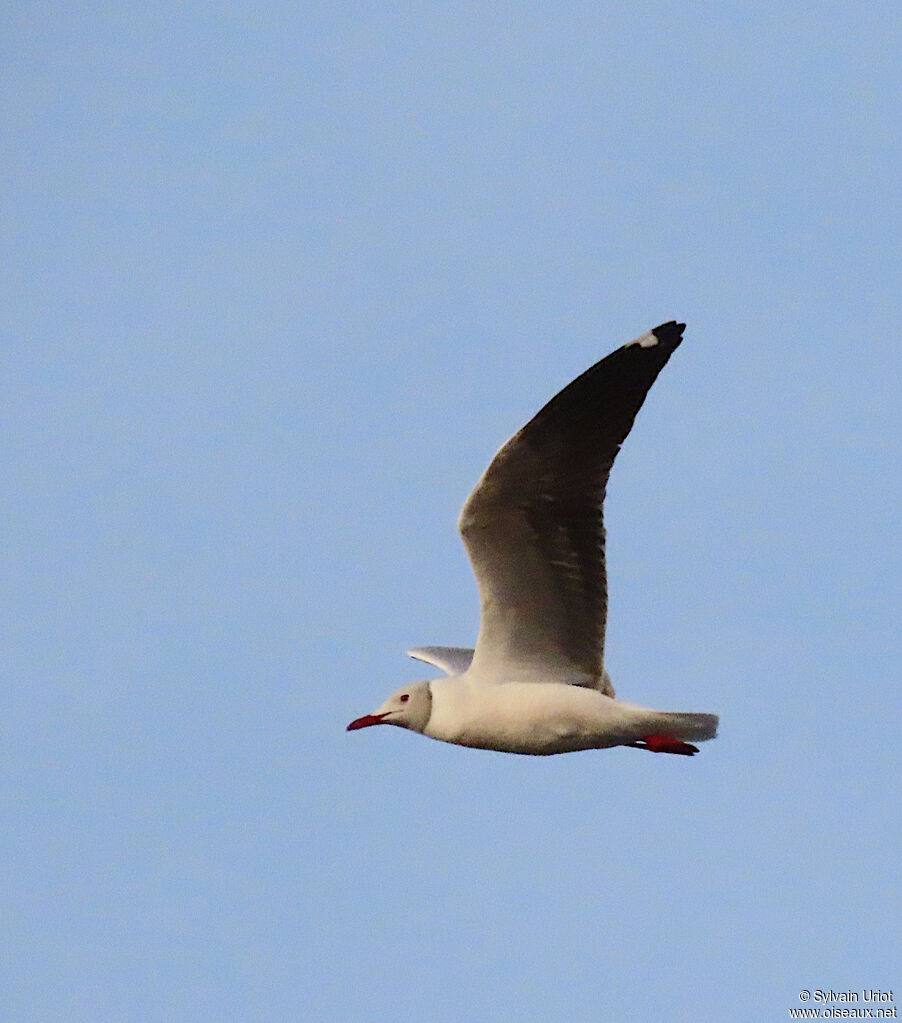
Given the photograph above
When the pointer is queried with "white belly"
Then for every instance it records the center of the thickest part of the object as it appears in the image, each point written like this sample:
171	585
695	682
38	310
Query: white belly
535	718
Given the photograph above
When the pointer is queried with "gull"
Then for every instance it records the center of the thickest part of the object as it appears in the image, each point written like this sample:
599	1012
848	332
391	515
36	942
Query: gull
534	532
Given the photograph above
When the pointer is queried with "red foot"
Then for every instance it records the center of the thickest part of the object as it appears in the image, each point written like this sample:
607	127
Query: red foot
664	744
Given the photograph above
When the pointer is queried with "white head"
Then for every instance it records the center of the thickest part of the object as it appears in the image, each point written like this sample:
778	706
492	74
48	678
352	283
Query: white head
409	707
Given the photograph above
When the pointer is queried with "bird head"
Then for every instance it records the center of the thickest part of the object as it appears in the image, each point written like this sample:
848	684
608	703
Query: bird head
408	707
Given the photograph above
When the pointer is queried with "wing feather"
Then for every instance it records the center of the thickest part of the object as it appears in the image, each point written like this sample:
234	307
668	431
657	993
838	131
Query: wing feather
534	528
452	660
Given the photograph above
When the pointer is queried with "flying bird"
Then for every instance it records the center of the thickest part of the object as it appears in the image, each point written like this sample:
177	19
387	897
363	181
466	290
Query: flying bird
534	532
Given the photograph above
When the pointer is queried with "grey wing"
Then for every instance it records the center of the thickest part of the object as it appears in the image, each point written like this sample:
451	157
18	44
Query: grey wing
534	529
453	660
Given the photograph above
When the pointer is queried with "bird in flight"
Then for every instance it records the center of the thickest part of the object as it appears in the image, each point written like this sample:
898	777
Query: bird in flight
534	532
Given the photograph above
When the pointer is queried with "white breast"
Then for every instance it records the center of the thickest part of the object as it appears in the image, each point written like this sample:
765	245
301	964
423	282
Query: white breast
536	718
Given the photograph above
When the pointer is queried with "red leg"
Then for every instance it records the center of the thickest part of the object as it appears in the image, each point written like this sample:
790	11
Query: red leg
665	744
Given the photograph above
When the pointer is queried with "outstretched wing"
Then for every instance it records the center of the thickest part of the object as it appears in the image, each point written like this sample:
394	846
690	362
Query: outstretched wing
533	527
453	660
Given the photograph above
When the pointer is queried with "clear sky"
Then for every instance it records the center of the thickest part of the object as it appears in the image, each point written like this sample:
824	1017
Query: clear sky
278	280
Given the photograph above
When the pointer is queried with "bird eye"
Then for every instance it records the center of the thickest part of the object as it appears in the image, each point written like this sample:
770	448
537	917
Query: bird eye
405	697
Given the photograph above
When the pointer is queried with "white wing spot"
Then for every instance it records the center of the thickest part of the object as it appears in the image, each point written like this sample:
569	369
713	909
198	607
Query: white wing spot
645	341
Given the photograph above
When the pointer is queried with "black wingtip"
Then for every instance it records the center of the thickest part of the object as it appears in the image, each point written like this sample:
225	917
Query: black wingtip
670	332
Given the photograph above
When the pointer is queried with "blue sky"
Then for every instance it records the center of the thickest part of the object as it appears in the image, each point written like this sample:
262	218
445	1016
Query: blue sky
278	281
